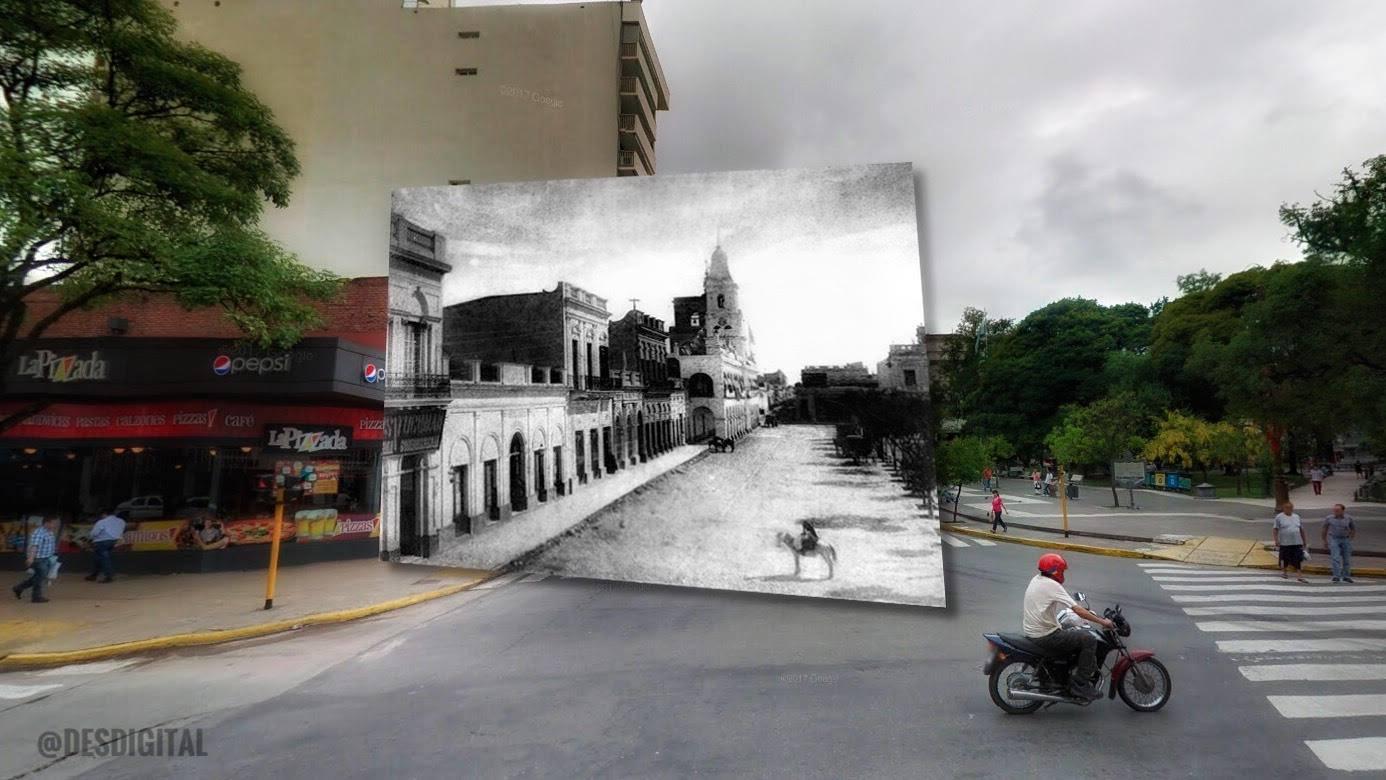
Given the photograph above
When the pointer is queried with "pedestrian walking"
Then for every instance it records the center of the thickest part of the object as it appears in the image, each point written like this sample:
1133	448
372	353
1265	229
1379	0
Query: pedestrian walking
1316	479
1338	532
105	535
998	508
40	555
1289	539
986	478
1357	468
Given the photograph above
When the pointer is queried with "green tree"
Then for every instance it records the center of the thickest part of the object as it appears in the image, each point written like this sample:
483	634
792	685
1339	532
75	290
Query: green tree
1237	446
132	162
960	460
1282	365
1348	229
1197	282
1100	433
1055	355
1201	314
1181	439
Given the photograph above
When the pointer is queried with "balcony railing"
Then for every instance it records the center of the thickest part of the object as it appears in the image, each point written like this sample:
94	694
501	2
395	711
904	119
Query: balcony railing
406	385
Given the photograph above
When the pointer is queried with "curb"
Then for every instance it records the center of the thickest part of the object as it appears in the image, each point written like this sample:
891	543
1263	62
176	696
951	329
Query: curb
1116	552
16	661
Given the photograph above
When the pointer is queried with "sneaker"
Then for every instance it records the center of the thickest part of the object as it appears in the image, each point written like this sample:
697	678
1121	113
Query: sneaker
1088	691
1335	579
90	578
1347	579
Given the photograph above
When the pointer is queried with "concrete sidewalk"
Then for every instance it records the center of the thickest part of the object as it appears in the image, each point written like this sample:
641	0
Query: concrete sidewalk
89	620
507	541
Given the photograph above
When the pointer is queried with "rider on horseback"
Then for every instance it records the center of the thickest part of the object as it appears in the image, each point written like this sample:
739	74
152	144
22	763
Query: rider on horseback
808	540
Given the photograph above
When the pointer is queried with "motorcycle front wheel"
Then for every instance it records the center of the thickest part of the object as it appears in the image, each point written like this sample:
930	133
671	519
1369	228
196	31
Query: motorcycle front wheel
1146	686
1003	676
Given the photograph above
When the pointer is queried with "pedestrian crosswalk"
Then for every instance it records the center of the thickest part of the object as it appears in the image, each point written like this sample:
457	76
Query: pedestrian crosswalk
1284	634
958	541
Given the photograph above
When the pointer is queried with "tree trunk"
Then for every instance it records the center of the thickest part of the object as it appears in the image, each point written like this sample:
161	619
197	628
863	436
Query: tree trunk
957	496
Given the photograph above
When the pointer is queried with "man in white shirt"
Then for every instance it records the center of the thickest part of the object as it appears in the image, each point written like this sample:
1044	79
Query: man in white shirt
1044	599
105	535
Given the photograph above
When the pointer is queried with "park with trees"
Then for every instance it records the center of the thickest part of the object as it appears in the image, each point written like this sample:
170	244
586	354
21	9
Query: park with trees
1238	379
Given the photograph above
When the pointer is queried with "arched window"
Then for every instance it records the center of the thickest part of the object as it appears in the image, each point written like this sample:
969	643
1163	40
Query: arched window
721	301
697	320
700	386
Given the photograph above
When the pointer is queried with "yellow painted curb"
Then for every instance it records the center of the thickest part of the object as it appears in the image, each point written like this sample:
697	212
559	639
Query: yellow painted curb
1172	555
1115	552
218	636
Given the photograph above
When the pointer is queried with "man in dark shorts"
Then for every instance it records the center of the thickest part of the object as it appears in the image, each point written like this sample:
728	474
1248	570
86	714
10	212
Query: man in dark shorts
1289	538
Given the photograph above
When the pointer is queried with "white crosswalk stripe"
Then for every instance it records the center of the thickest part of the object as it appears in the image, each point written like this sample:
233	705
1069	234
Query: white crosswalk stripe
984	542
1266	619
952	541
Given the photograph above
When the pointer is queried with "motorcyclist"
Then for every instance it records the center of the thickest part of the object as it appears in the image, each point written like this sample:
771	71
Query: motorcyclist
1044	599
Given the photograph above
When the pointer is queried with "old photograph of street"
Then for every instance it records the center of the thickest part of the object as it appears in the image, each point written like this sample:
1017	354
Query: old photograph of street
711	380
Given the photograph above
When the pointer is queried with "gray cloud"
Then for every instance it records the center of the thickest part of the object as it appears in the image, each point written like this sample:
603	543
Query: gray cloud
1184	123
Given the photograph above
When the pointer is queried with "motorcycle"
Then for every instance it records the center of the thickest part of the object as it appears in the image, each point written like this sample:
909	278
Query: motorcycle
1024	678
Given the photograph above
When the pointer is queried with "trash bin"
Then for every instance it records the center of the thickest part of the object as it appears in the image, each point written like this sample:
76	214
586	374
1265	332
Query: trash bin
1205	490
1072	490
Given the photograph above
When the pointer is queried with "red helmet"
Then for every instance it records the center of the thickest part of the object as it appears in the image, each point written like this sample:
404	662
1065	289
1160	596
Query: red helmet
1053	565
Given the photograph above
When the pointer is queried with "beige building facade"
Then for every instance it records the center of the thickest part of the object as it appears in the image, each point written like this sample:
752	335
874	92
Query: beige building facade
379	95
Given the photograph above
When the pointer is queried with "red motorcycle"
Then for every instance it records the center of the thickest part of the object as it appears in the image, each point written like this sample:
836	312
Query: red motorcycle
1024	677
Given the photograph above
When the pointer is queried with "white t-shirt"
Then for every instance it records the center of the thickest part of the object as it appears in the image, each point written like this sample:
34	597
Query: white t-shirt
1044	598
1316	475
1289	526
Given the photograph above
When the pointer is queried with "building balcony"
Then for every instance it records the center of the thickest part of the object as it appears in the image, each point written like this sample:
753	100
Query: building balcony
635	63
629	163
636	99
407	385
635	138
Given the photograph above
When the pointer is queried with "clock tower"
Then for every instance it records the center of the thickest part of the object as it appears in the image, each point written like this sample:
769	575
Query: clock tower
724	325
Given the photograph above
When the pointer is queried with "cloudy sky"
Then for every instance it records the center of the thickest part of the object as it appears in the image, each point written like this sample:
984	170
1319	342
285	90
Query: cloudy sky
827	260
1082	147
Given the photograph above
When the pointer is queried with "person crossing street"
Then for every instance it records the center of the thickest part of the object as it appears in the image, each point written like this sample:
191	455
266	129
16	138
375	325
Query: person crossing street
1338	533
998	507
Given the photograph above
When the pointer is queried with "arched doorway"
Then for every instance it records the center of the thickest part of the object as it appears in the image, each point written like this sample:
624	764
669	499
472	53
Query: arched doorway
517	473
703	424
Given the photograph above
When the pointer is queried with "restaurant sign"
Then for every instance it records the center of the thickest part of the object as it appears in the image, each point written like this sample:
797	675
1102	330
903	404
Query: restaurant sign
307	438
410	431
46	365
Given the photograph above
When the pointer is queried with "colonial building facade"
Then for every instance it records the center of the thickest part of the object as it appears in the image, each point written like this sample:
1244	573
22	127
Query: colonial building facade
417	392
714	353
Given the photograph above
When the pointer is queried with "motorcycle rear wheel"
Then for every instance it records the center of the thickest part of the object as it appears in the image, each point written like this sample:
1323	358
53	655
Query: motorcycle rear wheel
999	683
1156	675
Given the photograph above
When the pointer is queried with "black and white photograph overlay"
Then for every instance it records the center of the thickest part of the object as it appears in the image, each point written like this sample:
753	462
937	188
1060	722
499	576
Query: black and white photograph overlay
711	380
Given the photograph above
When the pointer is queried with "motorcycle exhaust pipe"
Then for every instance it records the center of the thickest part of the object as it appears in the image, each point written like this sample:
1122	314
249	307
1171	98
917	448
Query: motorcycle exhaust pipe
1035	696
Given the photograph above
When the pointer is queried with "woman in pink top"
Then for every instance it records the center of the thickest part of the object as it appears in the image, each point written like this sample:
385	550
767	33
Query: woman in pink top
997	507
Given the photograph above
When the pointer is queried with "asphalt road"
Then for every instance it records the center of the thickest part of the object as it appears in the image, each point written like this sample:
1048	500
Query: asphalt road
578	678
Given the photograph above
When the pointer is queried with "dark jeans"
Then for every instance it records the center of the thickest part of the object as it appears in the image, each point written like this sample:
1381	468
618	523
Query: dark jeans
37	580
997	518
102	564
1065	643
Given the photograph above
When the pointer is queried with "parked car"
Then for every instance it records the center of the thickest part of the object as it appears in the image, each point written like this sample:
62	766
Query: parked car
143	507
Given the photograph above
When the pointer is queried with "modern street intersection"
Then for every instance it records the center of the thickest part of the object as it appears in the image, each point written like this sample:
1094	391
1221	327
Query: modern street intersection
544	676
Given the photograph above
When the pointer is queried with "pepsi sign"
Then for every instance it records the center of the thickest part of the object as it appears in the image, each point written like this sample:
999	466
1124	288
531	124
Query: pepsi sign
372	373
226	365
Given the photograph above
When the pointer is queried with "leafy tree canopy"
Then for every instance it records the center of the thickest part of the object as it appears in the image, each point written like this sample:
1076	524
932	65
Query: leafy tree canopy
133	162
